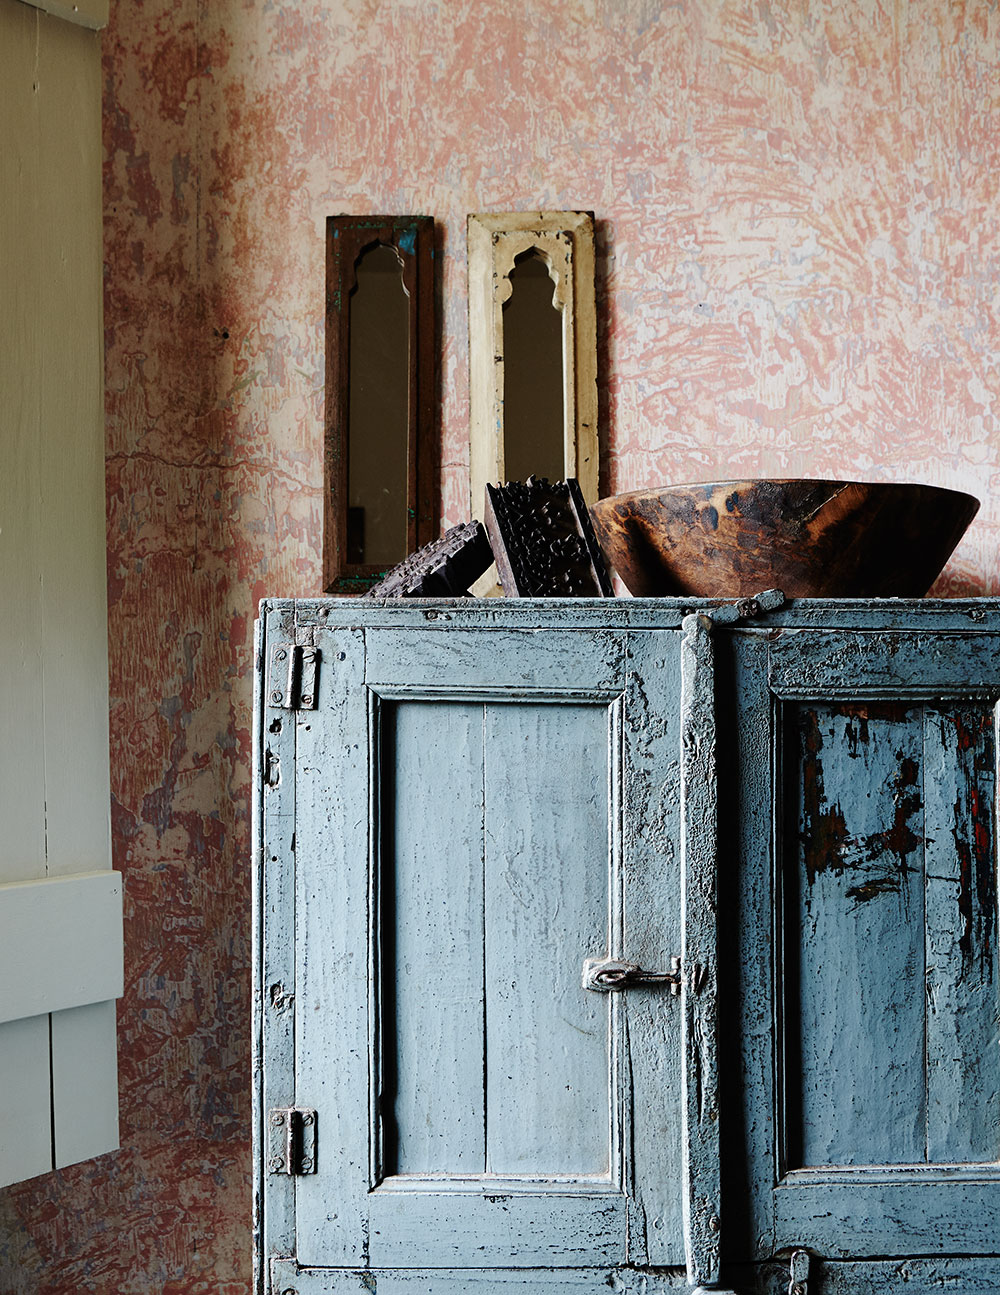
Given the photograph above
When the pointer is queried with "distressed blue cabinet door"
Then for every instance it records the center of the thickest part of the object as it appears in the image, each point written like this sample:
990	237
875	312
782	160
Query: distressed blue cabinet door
477	812
866	863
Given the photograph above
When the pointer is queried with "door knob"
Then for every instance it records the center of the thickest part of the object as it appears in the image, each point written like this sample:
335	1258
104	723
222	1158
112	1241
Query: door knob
610	975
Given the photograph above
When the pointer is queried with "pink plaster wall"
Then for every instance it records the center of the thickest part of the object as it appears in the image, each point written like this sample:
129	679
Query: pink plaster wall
797	206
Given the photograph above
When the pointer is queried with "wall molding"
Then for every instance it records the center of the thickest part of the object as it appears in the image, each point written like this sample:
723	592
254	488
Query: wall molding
85	13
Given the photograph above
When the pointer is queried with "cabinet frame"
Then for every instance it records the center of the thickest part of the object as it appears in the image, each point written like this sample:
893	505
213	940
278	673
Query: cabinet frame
837	1271
902	1205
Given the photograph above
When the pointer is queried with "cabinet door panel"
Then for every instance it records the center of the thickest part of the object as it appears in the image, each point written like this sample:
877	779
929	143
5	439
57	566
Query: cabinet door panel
963	1002
854	935
432	939
459	851
547	898
493	830
875	1117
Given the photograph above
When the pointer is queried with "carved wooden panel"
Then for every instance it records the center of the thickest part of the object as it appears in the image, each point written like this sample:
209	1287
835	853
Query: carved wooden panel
445	568
543	541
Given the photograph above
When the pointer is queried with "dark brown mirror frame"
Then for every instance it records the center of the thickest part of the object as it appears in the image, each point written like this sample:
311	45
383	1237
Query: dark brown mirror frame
347	239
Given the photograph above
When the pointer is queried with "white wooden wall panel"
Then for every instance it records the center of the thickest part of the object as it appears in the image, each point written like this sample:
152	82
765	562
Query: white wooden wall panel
22	780
54	780
72	541
25	1123
62	943
25	1111
84	1082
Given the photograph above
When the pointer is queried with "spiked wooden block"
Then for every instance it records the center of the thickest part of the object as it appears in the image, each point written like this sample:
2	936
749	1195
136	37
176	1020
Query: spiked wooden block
543	541
442	569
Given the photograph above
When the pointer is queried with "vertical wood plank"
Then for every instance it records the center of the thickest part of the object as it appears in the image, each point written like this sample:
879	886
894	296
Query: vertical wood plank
55	802
432	931
22	271
963	1057
72	540
547	874
651	936
335	847
84	1082
275	990
25	1112
750	937
855	938
260	1201
699	955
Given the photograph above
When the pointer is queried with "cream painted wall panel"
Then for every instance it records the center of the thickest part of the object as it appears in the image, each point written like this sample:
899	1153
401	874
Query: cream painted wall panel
25	1126
62	943
55	783
72	540
84	1082
22	793
54	779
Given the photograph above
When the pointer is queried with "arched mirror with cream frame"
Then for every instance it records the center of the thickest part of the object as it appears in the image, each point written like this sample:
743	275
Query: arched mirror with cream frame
499	244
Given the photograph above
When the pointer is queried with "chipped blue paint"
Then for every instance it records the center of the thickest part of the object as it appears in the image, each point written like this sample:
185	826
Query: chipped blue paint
520	763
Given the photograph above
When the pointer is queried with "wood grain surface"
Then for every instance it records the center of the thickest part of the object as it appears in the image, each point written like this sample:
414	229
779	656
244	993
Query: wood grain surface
811	539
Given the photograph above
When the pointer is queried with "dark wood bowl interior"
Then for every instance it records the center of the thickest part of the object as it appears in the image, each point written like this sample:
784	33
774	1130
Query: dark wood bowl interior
812	539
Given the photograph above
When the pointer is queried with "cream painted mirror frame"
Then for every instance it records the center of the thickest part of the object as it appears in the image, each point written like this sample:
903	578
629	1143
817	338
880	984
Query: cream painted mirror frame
565	241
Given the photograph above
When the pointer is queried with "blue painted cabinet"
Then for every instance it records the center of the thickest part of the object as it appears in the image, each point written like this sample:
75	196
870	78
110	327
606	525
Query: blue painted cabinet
864	863
772	841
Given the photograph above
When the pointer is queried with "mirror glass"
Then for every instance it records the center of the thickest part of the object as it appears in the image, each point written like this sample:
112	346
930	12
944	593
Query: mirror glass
378	411
533	416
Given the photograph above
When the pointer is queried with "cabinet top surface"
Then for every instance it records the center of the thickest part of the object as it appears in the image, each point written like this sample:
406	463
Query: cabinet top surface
904	614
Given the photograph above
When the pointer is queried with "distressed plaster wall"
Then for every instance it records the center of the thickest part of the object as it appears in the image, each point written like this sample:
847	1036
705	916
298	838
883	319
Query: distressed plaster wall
798	275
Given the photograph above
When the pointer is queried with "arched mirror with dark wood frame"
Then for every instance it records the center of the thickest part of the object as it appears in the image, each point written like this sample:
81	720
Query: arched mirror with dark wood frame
381	479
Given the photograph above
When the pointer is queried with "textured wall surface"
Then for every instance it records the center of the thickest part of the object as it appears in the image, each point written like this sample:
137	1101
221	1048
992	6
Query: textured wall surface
798	274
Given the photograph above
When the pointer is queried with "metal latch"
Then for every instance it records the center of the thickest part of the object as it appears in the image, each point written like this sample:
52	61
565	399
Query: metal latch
291	1140
798	1271
292	676
609	975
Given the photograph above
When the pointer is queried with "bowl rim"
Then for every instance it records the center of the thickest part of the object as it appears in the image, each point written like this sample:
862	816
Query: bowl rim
786	481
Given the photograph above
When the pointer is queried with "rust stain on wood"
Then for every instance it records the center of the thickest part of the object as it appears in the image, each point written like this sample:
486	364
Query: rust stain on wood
826	840
974	837
824	833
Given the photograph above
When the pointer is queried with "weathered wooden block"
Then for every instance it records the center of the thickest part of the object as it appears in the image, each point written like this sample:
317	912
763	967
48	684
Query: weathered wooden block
543	541
442	569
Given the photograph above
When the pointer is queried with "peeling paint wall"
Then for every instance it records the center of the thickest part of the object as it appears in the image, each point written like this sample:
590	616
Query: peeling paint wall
798	274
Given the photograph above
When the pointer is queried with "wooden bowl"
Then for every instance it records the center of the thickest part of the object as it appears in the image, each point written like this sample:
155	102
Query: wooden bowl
811	539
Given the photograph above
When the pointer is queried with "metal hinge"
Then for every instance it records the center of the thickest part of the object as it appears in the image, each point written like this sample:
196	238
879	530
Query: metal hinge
798	1272
291	1140
768	600
291	681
